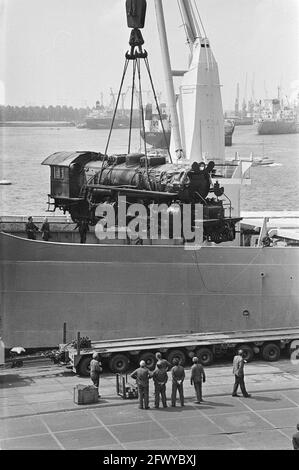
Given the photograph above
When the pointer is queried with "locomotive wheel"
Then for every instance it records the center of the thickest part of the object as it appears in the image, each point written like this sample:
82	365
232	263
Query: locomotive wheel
83	368
149	359
119	363
205	356
271	352
177	354
248	352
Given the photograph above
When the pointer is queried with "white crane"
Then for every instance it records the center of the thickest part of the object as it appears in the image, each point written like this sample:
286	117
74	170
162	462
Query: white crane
197	117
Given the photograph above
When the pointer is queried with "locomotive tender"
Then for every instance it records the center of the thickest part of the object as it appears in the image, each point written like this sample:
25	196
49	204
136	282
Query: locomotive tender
80	181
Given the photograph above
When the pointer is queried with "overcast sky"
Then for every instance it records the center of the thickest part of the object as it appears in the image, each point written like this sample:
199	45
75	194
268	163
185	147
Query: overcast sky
69	51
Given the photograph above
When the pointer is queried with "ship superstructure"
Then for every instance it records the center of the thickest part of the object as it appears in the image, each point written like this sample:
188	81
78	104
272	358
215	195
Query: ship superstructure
278	116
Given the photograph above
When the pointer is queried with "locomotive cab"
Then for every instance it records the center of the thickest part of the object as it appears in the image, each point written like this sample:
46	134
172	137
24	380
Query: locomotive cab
68	175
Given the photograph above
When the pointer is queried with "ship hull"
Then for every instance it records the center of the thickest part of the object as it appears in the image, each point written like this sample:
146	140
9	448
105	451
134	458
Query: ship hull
277	127
158	140
105	123
123	291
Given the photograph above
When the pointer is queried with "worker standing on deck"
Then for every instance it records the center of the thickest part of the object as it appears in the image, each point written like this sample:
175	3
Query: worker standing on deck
178	376
165	364
83	227
197	378
45	229
238	371
31	229
95	370
142	376
160	378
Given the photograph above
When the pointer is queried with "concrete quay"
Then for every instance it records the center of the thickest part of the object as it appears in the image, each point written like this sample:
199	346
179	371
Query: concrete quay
37	412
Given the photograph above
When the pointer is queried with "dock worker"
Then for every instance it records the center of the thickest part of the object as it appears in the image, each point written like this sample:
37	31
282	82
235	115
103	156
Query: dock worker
198	376
238	371
178	376
45	229
266	241
160	378
165	364
83	227
295	439
95	370
31	229
142	376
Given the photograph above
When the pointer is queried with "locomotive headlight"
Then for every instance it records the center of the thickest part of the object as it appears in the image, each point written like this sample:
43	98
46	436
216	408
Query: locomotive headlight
202	166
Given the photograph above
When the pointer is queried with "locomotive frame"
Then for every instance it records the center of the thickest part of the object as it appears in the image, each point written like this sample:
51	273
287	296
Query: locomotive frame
80	181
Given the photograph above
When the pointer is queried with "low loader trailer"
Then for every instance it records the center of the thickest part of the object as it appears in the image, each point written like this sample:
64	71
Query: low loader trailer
118	354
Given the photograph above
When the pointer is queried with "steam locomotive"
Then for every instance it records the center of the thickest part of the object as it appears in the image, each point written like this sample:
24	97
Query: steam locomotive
81	181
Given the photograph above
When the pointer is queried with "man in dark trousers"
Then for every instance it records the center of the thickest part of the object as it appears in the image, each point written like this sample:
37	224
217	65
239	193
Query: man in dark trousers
165	364
142	376
31	229
238	371
95	370
45	229
178	376
160	378
83	227
295	439
197	377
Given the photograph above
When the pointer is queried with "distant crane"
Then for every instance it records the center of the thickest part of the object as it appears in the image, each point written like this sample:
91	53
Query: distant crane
237	101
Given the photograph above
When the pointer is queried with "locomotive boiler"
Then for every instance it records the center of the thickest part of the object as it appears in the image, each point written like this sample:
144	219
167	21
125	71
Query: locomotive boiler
81	181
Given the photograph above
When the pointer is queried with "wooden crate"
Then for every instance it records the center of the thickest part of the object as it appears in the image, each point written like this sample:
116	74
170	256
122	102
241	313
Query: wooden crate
84	395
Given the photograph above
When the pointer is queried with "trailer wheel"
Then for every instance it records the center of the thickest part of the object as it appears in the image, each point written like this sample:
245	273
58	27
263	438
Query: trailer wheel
119	363
176	354
149	359
271	352
83	368
205	356
248	352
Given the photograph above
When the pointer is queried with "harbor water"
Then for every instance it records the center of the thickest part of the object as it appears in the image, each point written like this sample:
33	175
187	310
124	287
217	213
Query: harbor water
22	149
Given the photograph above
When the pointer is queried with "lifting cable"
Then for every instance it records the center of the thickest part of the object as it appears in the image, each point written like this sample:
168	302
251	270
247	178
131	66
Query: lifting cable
136	40
142	118
116	106
113	117
157	105
132	103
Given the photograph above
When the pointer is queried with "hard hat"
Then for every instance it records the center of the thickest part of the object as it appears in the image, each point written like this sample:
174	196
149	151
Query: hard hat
142	363
195	359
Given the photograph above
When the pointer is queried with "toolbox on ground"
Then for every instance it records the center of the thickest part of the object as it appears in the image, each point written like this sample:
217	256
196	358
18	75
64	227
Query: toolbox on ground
124	388
84	395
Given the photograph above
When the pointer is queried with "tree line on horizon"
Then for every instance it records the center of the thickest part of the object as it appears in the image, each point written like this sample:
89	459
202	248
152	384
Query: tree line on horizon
43	113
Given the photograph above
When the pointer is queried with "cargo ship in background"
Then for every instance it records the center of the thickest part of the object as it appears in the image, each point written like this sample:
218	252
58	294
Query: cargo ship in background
277	116
101	116
162	293
157	126
158	131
